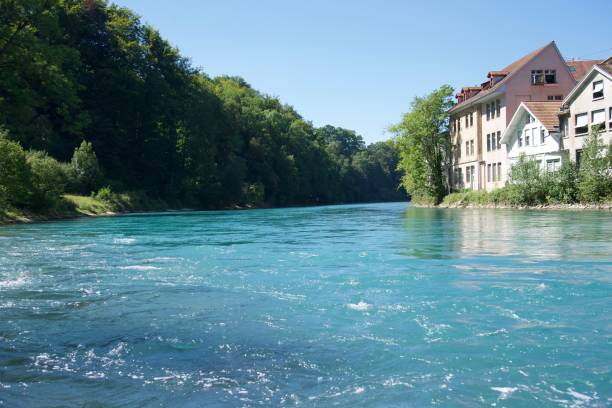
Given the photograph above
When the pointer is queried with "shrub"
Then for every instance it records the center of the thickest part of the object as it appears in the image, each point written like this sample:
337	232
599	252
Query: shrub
15	177
561	185
595	180
526	182
254	194
48	180
84	170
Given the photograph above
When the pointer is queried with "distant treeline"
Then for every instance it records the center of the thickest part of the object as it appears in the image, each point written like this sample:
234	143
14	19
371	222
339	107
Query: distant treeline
74	71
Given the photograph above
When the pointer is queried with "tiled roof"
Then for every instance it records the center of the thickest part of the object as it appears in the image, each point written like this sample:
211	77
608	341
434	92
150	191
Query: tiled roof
546	112
579	68
510	69
606	66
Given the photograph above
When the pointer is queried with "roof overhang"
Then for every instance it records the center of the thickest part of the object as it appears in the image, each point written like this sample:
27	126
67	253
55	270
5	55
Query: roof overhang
580	86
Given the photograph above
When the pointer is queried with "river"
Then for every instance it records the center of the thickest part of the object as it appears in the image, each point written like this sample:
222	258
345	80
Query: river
371	305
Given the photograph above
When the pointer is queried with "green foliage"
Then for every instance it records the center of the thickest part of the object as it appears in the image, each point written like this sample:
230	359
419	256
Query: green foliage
15	176
48	180
424	143
526	182
89	83
84	170
254	194
595	173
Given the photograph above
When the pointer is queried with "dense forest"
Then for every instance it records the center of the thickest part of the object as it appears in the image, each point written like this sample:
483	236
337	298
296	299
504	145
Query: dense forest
91	98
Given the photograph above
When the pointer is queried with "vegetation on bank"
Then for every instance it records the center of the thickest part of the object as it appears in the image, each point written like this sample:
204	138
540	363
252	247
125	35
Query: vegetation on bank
589	183
84	79
423	138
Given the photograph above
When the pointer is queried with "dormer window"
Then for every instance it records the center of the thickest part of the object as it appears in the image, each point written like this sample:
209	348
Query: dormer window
598	90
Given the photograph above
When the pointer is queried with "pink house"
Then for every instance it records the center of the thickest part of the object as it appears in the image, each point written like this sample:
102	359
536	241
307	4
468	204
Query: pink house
483	113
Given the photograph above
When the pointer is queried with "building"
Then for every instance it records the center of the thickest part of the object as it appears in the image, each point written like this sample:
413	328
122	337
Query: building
589	104
534	132
483	112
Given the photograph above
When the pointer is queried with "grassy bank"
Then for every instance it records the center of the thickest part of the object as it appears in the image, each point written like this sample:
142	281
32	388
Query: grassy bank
72	206
507	198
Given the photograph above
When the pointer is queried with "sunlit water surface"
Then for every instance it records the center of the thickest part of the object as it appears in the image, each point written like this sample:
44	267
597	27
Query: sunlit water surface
360	305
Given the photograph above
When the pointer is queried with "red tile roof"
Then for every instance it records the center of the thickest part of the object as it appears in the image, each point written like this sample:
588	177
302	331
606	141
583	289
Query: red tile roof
510	69
579	68
546	112
606	65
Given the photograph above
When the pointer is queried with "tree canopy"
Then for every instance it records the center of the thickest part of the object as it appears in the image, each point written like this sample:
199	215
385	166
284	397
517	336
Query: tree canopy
88	82
424	141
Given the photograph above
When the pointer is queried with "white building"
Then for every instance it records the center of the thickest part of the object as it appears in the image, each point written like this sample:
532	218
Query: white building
589	104
534	132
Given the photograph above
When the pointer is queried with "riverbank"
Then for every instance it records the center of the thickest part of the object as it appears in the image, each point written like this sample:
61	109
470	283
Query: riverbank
571	207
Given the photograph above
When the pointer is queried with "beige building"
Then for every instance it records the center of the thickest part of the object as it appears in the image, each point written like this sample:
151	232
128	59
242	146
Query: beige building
588	105
483	112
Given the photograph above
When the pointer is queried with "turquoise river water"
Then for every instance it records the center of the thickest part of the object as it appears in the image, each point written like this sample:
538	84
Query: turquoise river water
379	305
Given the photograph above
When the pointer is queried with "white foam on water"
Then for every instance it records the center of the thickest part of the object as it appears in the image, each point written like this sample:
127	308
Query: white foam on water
504	392
125	241
493	333
140	267
579	396
14	283
359	390
361	306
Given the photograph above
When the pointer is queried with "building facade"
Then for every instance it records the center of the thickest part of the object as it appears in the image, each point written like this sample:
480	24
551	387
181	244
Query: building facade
587	106
534	132
542	75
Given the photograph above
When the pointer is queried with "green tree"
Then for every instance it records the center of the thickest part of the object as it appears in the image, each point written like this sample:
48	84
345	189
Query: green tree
423	140
595	172
84	169
15	180
48	180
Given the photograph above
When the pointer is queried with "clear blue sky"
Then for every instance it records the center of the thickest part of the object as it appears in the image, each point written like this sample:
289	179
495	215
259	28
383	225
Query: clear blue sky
358	64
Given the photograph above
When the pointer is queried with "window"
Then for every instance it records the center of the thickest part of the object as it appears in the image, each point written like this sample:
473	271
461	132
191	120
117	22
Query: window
499	173
488	111
555	97
467	175
471	119
550	76
488	172
527	131
458	124
471	147
498	139
520	138
578	157
582	123
467	148
542	135
598	89
494	171
553	164
537	77
610	117
498	108
467	121
488	142
534	133
598	118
